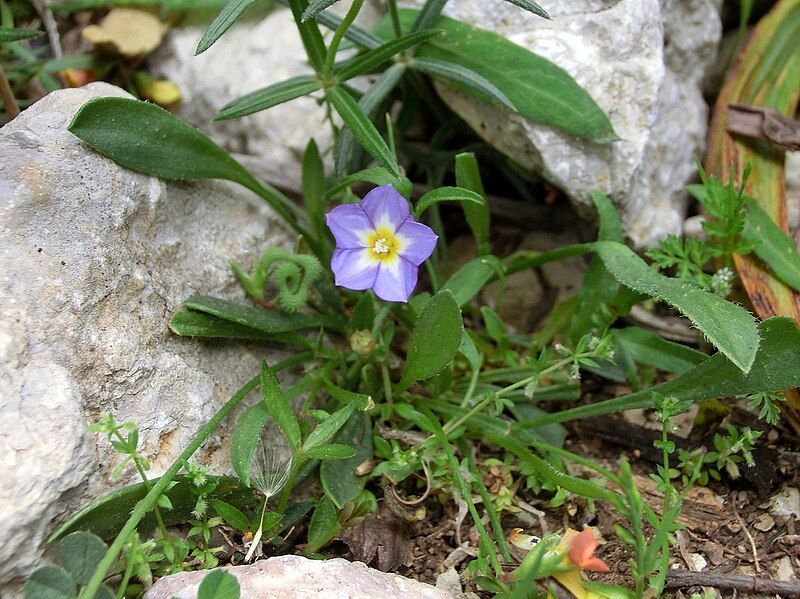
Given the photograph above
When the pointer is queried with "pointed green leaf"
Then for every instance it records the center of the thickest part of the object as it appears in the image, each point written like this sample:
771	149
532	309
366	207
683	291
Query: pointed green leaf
332	451
148	139
774	369
435	339
447	194
278	407
270	96
468	177
731	328
232	515
12	34
531	7
468	280
463	78
538	89
323	526
269	321
326	429
775	248
223	21
338	477
646	347
244	440
314	186
315	7
376	57
363	129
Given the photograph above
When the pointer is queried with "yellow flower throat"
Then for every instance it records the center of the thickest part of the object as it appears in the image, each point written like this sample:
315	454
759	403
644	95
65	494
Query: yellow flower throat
383	245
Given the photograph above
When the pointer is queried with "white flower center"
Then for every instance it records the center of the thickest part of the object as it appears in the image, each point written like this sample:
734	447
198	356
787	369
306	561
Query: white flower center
381	246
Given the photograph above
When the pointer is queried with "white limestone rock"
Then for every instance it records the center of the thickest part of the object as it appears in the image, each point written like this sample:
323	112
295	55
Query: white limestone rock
95	259
296	577
253	54
642	62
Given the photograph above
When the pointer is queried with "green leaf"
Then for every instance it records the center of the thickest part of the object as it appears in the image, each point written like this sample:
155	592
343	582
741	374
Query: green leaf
435	339
49	582
269	96
12	34
326	429
279	408
79	554
232	515
775	248
428	15
196	324
646	347
447	194
309	34
148	139
377	56
314	186
269	321
531	7
218	584
369	103
363	129
361	401
323	526
731	328
376	175
468	280
468	177
467	349
315	7
332	451
463	78
774	369
599	286
338	477
244	440
357	35
107	515
222	22
539	90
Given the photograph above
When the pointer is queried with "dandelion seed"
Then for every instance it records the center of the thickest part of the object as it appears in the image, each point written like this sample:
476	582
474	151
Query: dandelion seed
269	473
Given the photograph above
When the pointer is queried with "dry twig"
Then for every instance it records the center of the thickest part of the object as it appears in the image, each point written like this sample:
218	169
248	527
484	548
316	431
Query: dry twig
680	579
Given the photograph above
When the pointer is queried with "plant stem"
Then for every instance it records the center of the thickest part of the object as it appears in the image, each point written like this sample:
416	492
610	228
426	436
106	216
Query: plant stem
7	94
333	47
395	15
146	504
148	486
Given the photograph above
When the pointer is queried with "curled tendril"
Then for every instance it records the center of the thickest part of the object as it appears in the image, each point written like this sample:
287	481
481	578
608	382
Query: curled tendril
293	274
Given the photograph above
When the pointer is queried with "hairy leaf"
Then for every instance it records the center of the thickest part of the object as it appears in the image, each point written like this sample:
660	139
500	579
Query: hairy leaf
222	22
269	96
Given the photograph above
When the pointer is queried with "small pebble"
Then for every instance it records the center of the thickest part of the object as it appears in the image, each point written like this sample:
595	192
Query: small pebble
772	435
764	523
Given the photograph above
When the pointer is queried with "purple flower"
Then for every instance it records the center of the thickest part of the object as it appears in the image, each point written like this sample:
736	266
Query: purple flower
379	245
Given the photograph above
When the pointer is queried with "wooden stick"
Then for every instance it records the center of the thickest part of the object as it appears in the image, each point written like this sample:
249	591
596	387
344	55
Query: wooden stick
680	579
7	94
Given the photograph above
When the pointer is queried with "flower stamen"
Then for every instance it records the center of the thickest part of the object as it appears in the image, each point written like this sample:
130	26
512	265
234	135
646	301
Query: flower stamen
381	246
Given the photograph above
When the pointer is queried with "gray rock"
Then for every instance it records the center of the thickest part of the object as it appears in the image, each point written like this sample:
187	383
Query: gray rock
642	61
254	54
295	577
95	259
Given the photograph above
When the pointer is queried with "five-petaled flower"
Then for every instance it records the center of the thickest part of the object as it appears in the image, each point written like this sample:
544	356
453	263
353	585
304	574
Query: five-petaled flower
379	245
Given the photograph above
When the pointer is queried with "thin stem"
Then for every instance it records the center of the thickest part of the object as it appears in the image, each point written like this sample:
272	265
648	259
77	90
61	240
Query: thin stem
9	100
146	504
387	384
156	510
473	382
123	585
333	47
395	15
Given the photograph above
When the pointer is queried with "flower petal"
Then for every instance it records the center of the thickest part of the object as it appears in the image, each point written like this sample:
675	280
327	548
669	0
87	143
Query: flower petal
582	547
350	226
595	564
417	241
385	207
354	269
396	280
